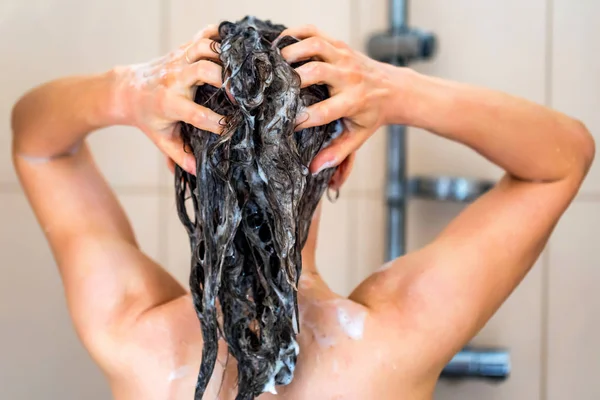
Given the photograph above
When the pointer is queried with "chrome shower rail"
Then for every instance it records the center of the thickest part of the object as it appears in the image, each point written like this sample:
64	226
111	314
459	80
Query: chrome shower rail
399	46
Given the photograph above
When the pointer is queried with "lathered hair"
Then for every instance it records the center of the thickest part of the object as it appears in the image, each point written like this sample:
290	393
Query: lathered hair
252	202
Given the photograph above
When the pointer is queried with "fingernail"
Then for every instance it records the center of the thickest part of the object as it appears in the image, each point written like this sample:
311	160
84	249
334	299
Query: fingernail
302	117
326	165
189	164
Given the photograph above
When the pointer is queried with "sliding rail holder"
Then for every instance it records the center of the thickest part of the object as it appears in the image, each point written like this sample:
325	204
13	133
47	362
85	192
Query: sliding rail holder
399	46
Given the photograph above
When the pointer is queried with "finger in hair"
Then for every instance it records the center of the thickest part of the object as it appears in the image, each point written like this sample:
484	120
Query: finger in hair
324	112
318	73
209	32
306	31
309	48
194	114
202	72
339	149
203	49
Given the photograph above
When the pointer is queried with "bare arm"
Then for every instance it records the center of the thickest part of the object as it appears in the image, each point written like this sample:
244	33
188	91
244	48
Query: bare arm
108	280
440	296
448	290
529	141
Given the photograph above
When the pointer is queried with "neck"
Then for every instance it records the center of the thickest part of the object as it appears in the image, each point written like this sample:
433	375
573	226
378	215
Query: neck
310	248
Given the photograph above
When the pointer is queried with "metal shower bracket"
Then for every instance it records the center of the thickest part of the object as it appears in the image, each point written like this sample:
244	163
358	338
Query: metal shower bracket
399	46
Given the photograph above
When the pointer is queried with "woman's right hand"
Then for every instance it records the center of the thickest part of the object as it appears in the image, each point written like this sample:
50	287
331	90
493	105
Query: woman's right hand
157	95
360	89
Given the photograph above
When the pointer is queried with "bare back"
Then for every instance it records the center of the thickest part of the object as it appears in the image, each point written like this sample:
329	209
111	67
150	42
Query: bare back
346	352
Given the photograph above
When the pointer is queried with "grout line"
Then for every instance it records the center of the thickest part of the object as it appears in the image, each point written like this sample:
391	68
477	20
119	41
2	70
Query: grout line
549	71
355	22
351	213
165	26
545	309
548	98
162	223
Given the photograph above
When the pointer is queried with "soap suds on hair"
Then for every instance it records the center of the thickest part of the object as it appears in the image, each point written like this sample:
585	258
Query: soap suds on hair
270	386
250	220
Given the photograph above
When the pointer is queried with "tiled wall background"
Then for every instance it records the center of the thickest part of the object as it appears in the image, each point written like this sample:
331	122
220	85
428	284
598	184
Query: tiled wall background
544	50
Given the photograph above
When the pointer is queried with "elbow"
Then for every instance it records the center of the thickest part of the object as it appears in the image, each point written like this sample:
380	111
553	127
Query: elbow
16	122
585	144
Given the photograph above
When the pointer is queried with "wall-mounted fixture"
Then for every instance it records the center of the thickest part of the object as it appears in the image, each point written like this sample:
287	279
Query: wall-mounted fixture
399	46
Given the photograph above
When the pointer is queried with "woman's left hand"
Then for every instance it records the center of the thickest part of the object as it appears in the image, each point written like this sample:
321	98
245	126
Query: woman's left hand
157	95
359	88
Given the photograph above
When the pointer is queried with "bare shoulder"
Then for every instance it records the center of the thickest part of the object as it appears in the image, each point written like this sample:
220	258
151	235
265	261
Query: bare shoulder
445	292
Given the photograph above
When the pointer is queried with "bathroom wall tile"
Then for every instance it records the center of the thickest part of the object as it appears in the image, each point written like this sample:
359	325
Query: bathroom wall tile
425	219
335	252
369	171
369	236
369	18
575	66
176	258
187	16
143	211
496	44
49	39
574	305
41	354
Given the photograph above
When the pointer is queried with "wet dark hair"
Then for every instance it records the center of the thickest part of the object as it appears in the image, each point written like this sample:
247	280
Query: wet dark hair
253	199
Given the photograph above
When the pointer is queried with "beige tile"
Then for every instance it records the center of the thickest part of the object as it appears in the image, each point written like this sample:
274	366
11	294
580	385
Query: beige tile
188	17
143	211
371	17
334	258
369	172
335	254
127	157
369	236
61	37
41	355
575	66
491	43
574	305
431	155
425	219
497	44
177	256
